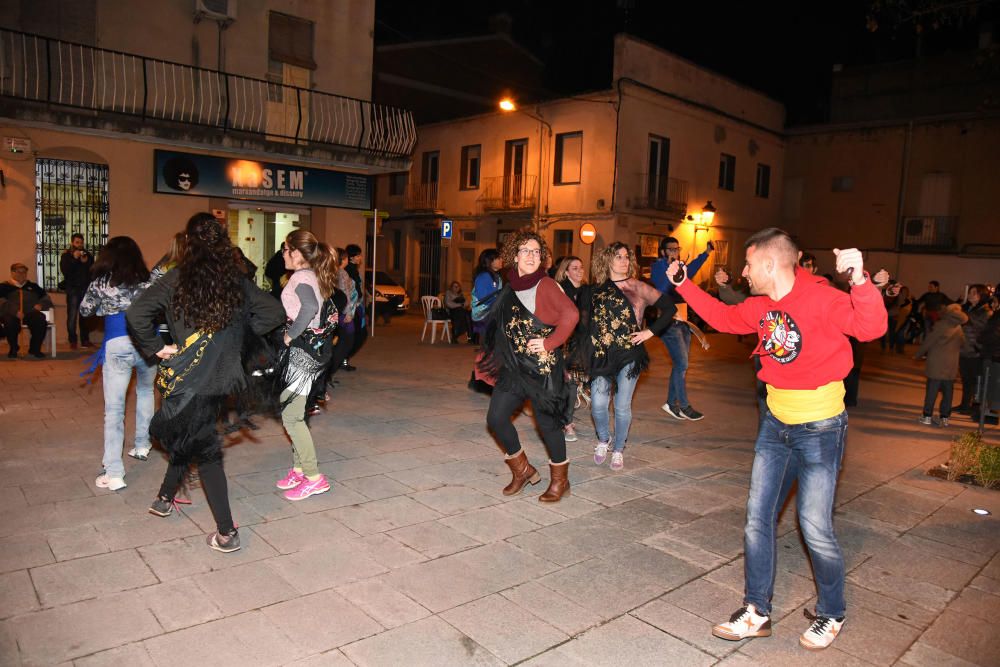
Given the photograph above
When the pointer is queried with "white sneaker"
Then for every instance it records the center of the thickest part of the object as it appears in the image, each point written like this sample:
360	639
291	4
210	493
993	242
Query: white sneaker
570	433
110	483
673	412
601	452
617	460
821	633
139	453
745	622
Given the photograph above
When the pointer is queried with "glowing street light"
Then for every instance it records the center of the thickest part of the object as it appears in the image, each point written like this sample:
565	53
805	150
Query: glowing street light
708	213
507	104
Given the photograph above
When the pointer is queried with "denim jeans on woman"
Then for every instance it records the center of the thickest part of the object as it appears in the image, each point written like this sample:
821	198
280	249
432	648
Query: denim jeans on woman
677	338
810	453
600	397
120	357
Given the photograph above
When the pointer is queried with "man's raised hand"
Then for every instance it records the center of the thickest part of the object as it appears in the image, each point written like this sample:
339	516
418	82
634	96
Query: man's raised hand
850	261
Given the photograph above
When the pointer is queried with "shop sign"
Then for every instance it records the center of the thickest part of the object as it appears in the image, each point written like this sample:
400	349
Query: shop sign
237	178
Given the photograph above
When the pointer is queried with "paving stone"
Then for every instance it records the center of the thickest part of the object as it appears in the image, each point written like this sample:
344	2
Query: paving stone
670	513
434	539
270	506
557	657
992	568
453	499
607	492
52	492
656	565
974	602
589	534
693	498
966	637
710	534
708	600
303	532
246	639
244	587
922	654
63	633
383	603
608	591
687	552
429	642
11	497
491	524
903	612
875	638
922	593
417	479
389	552
83	578
131	654
140	531
338	496
554	608
17	594
321	621
179	604
918	564
634	520
986	584
783	648
520	635
332	658
377	487
629	641
550	548
324	567
76	542
381	515
946	551
684	625
20	551
534	511
572	506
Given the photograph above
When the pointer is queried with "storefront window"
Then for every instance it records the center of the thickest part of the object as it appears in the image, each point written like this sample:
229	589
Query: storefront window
258	231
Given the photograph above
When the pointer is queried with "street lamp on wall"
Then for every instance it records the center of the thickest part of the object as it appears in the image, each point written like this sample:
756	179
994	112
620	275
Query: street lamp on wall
703	221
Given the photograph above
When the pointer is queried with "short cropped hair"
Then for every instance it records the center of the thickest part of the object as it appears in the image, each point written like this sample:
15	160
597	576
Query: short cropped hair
935	283
807	257
777	241
662	249
76	235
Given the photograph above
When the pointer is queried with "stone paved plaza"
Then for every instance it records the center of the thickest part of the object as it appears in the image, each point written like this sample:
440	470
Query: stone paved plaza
416	558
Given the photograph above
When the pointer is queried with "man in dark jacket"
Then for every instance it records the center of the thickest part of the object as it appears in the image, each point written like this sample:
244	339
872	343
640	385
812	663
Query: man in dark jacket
22	302
75	264
354	258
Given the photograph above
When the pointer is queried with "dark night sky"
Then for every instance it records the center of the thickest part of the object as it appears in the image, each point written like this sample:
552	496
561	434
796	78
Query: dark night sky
785	49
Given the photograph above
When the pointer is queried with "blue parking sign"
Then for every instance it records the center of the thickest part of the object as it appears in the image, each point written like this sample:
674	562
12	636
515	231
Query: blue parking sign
446	227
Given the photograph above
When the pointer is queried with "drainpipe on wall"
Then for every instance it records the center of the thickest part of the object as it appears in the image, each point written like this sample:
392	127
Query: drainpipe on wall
904	173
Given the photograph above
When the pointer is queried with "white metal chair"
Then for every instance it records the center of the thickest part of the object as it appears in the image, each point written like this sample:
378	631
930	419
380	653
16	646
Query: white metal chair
50	329
429	303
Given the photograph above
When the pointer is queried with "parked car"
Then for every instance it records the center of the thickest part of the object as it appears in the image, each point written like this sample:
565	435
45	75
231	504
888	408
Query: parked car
390	297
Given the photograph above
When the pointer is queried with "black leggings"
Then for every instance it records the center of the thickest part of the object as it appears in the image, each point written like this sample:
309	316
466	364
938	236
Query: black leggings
213	481
503	403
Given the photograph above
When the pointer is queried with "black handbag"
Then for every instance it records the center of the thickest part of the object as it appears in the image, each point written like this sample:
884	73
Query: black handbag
440	314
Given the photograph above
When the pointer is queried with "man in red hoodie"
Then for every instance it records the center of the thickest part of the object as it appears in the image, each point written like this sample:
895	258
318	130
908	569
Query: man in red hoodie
802	324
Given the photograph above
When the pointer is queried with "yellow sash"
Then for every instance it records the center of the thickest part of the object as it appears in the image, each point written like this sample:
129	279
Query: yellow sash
799	406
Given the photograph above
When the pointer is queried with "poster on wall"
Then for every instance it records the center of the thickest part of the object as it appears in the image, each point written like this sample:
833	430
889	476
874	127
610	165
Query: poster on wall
237	178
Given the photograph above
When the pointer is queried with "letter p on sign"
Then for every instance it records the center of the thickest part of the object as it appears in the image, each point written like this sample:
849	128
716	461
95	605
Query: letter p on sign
446	226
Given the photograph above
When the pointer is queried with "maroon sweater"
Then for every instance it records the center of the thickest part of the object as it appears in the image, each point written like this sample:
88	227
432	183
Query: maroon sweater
554	308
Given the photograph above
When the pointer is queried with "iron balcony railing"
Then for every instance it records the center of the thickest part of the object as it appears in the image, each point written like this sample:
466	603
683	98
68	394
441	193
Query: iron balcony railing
46	70
422	197
929	232
661	194
508	193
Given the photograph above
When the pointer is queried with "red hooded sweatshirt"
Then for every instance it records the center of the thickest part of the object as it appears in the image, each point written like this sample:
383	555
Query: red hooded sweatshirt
803	336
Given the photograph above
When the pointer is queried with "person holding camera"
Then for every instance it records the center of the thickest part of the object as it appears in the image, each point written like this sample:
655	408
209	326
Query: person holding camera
75	265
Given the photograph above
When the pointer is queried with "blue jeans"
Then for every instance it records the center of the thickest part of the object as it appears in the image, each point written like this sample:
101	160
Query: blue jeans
677	338
73	317
811	454
120	357
600	397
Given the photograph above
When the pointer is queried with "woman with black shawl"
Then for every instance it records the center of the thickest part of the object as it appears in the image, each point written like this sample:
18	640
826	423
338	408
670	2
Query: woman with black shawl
208	303
612	347
528	325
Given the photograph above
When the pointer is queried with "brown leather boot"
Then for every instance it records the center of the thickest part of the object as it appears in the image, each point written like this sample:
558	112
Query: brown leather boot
558	483
522	471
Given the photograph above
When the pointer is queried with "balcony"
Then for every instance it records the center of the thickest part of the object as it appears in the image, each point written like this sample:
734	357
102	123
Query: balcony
928	233
422	197
668	195
508	193
85	79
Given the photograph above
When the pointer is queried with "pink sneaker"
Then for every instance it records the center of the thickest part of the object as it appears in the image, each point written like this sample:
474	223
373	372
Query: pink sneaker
308	488
291	480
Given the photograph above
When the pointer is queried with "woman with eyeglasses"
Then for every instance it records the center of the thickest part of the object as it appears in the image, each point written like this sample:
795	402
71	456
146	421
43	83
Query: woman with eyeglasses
209	305
612	345
528	325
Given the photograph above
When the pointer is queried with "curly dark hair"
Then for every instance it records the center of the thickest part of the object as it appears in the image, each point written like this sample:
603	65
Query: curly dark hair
509	251
210	284
120	260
